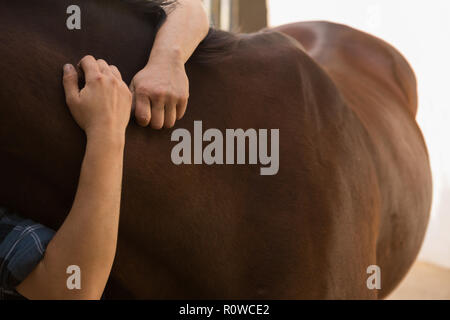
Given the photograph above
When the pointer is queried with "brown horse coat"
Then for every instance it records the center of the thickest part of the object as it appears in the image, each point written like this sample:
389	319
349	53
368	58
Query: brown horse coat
353	189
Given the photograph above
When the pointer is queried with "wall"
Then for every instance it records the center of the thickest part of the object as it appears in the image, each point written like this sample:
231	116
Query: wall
238	15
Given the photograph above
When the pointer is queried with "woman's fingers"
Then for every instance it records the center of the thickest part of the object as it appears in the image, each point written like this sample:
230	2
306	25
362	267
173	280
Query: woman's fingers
181	108
157	112
70	81
104	67
104	104
142	109
115	71
170	115
90	68
158	109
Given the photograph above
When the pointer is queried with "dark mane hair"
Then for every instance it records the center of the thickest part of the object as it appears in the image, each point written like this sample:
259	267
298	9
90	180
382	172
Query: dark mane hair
157	9
217	44
151	6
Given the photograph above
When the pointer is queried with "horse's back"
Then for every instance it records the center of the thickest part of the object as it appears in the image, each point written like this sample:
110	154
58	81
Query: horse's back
378	84
343	50
291	235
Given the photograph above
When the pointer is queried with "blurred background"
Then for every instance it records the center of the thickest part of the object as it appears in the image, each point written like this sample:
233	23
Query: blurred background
421	31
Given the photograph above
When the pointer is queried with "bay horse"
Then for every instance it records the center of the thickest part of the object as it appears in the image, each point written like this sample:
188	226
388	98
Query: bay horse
354	185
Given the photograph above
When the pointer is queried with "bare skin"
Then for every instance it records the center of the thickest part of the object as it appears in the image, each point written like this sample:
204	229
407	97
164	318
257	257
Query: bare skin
88	237
161	89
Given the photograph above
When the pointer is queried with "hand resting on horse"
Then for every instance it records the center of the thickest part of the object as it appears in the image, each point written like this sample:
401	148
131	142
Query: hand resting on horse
161	89
88	236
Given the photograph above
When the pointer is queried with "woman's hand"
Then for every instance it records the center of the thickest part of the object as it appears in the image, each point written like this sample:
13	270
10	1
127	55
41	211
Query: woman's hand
103	106
161	92
88	236
161	89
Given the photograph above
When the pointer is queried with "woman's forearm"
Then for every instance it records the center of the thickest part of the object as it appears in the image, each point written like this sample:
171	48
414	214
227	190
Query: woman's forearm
179	36
88	236
161	88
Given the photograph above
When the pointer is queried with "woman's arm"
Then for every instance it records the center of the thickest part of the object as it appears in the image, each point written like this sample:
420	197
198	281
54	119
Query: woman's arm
161	89
88	236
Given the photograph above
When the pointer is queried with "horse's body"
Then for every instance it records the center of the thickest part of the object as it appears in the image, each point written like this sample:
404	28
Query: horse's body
353	190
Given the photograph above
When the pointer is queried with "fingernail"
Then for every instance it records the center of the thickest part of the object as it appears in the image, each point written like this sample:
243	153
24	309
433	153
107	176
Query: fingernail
67	67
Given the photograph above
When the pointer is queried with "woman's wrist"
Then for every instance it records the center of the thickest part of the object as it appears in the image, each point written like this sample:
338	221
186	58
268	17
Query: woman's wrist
167	56
110	137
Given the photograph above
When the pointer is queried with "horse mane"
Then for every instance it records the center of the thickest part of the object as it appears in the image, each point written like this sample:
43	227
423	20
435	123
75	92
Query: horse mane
156	9
217	44
151	6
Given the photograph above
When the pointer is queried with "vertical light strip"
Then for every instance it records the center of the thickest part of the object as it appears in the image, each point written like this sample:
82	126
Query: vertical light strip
208	7
225	15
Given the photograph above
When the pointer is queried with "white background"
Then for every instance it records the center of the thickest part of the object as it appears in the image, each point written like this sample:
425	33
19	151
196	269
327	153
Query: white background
421	31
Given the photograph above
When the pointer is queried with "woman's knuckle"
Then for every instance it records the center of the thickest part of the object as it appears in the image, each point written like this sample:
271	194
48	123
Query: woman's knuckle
142	90
99	77
87	58
113	81
159	93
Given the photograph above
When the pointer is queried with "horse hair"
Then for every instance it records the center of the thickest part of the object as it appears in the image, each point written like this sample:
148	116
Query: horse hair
217	44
